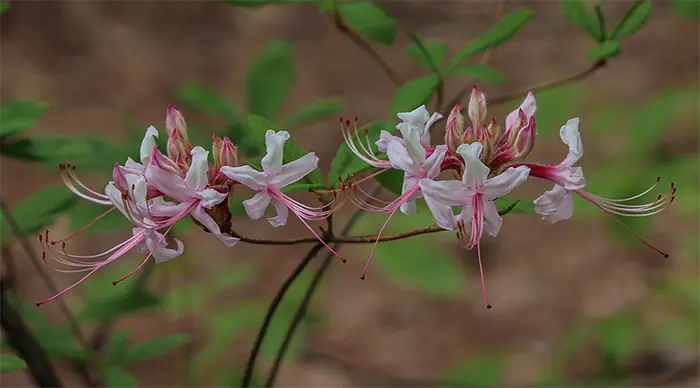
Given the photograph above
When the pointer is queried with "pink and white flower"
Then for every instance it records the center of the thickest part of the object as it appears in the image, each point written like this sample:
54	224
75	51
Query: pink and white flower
557	204
269	182
475	194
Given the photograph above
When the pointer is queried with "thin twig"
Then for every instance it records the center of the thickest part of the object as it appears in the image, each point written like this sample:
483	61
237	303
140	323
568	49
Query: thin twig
92	381
301	309
250	364
367	47
25	344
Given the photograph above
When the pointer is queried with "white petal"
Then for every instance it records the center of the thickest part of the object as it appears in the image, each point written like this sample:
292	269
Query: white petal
294	171
200	215
169	184
210	198
443	215
160	253
492	220
272	161
409	207
571	137
409	183
255	207
555	205
573	178
246	175
137	188
432	164
384	139
425	136
417	116
505	182
399	159
411	139
132	165
196	177
282	214
115	196
528	106
147	144
450	193
475	172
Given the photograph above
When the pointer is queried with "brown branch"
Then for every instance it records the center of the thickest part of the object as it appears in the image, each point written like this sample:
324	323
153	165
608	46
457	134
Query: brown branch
367	47
89	377
550	84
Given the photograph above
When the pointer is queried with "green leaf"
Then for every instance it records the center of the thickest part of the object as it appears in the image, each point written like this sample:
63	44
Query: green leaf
117	348
620	336
117	377
60	342
155	347
370	20
200	97
486	371
417	263
28	311
51	149
40	209
434	49
503	30
105	308
270	79
4	7
688	9
507	204
635	18
9	363
577	13
18	115
392	180
315	111
606	50
414	93
483	72
346	162
292	149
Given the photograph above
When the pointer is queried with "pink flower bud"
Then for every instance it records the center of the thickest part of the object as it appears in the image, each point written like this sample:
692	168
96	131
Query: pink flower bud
525	140
174	121
178	146
216	148
477	108
228	154
454	128
164	163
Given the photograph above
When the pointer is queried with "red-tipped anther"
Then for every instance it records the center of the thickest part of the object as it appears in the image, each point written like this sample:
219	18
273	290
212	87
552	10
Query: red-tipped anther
673	184
347	122
40	238
362	277
43	257
658	197
73	167
658	178
671	200
488	306
366	131
114	283
133	187
341	119
355	118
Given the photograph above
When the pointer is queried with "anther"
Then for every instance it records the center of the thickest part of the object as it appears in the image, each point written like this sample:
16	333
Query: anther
341	119
347	122
355	118
658	178
488	306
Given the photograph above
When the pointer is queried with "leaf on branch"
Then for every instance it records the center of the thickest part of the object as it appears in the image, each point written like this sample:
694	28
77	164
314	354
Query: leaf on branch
49	149
208	101
688	9
414	93
270	79
346	162
482	72
370	20
433	55
315	111
578	14
10	362
606	50
39	210
636	17
19	115
503	30
117	377
392	180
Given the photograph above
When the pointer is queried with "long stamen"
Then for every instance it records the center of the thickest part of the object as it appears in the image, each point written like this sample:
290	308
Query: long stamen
83	228
587	196
160	241
481	271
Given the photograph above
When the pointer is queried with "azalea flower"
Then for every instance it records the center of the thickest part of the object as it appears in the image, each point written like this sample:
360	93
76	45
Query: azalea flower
557	204
475	194
272	179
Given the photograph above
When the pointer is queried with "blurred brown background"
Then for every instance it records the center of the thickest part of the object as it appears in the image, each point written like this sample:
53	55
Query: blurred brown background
100	63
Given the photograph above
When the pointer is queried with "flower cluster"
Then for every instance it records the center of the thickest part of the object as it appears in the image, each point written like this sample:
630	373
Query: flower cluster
485	159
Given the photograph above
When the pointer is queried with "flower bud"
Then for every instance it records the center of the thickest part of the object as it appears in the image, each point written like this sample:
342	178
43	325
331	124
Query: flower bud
512	131
468	135
525	140
175	121
454	128
216	148
494	130
477	108
228	156
178	146
164	163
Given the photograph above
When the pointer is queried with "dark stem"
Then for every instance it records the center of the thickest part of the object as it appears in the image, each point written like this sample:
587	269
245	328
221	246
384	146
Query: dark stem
301	310
250	364
25	344
88	377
